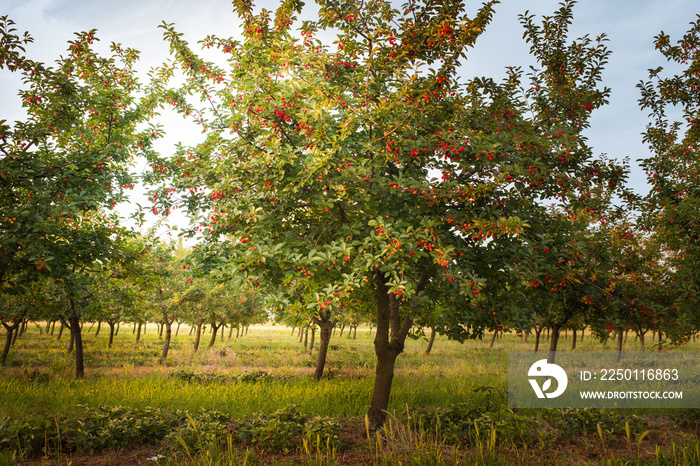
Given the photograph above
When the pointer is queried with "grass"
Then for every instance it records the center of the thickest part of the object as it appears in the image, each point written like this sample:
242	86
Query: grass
447	408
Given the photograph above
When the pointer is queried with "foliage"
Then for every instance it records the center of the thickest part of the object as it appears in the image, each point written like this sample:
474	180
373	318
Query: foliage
65	168
673	171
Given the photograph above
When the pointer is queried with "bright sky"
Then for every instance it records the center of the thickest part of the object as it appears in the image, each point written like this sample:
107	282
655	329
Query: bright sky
629	24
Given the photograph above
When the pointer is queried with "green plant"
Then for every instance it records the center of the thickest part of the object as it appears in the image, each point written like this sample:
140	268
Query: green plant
280	431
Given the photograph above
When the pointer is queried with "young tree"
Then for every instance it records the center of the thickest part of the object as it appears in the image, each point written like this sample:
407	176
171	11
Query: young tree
65	168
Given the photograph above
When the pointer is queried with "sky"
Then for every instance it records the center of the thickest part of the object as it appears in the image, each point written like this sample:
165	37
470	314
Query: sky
630	26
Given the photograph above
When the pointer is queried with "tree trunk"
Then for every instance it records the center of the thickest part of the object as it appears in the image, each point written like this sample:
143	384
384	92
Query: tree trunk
133	330
326	326
111	333
160	330
15	334
138	332
554	340
618	349
197	337
48	327
116	331
430	341
386	357
389	342
230	331
99	325
493	338
247	327
238	331
71	343
166	342
214	329
301	334
60	331
342	329
313	338
77	339
306	338
661	340
640	335
11	329
53	326
177	330
573	341
538	332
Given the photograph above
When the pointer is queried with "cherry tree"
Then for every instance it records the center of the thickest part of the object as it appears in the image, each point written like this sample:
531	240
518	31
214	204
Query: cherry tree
368	165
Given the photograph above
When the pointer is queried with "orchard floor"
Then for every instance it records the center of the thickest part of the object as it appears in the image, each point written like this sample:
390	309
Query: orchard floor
268	370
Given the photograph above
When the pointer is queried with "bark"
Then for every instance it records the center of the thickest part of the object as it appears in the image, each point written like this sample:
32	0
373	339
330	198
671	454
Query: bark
493	338
430	341
661	340
138	332
293	328
116	331
15	334
230	332
53	326
48	327
313	338
99	325
354	332
111	334
640	335
247	327
11	331
306	338
197	337
553	341
214	330
60	331
389	341
620	336
573	341
71	343
342	329
160	330
386	349
177	330
538	331
8	343
133	330
168	336
77	339
326	326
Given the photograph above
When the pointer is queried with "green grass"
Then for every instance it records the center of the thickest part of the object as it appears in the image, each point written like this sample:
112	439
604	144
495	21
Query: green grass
458	393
